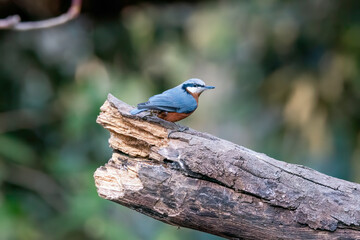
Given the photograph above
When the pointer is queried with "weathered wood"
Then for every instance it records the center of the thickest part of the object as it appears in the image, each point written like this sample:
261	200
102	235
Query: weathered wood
198	181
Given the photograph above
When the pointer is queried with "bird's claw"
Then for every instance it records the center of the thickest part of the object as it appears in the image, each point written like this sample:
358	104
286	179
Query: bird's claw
179	129
147	116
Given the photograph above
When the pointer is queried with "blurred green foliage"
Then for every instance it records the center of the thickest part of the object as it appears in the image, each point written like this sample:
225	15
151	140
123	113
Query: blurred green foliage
287	84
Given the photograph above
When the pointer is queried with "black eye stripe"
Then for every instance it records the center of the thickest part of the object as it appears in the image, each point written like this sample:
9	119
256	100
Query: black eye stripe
186	85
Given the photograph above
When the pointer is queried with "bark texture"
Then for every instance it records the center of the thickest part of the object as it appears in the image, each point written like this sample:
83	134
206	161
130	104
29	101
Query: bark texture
199	181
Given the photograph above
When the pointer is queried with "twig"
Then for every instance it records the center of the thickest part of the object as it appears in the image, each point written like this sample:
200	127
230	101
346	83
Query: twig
14	22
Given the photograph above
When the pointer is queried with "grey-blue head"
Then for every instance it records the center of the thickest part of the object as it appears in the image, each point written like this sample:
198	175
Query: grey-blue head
195	86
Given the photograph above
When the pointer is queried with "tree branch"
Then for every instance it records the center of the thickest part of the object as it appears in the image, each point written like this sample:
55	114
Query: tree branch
198	181
14	22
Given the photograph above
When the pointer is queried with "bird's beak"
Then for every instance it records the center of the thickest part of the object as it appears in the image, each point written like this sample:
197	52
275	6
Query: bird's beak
209	87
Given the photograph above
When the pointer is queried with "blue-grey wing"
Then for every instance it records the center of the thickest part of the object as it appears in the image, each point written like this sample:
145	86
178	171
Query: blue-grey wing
172	100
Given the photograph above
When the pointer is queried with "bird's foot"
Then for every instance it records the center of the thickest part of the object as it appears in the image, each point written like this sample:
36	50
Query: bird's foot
147	116
179	129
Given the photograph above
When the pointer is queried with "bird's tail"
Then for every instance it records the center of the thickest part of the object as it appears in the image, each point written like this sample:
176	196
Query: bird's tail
136	111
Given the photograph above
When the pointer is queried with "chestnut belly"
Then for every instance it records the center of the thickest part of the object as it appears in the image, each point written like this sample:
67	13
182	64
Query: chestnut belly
173	116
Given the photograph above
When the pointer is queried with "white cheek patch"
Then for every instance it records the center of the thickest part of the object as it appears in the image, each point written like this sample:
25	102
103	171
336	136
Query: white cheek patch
195	89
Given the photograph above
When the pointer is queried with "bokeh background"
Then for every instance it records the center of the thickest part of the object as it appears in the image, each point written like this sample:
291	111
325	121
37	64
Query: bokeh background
287	84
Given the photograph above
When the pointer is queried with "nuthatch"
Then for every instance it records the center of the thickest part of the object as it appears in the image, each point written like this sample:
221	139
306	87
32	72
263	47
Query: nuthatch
176	103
